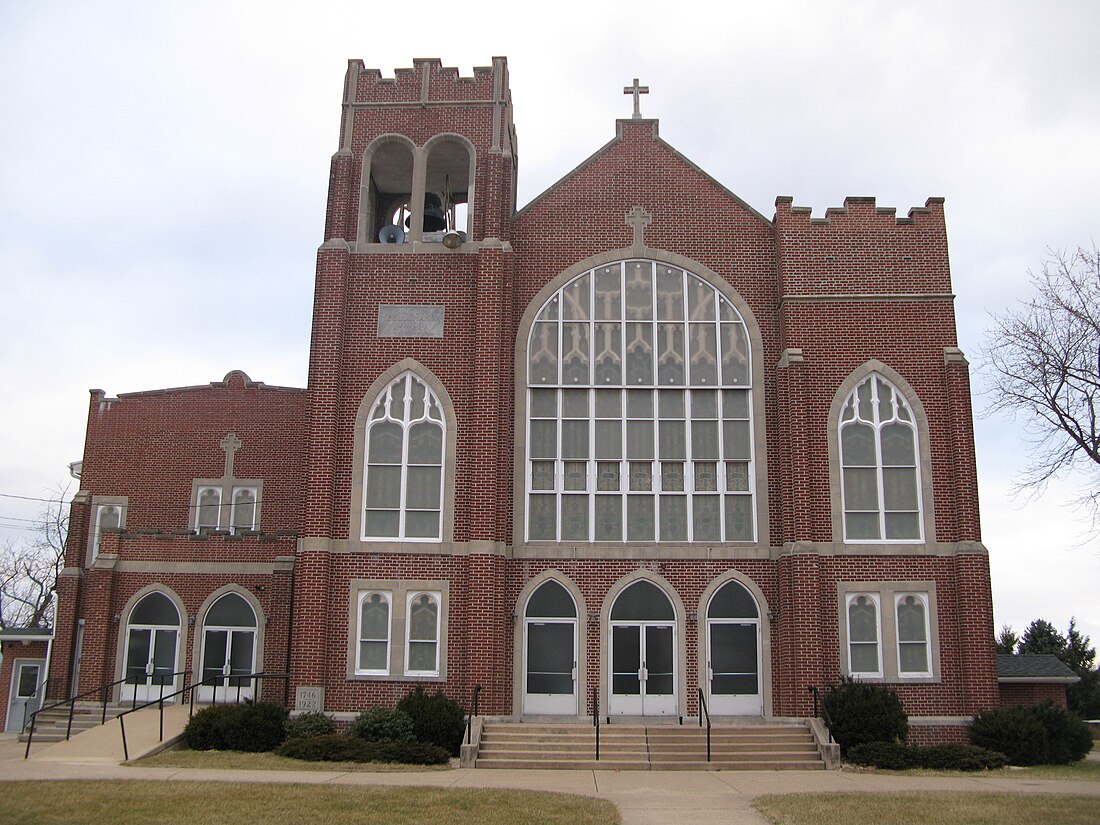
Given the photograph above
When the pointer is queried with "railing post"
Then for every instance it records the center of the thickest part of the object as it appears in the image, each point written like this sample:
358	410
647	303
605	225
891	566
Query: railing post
125	749
69	726
596	717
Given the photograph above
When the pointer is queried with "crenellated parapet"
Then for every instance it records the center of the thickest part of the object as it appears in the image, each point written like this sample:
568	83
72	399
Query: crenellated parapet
428	81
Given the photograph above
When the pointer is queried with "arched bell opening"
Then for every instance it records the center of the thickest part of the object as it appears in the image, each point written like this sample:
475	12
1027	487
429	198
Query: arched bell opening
448	188
386	194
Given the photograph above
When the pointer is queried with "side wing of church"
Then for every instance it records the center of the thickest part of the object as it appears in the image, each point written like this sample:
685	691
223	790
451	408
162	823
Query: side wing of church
635	439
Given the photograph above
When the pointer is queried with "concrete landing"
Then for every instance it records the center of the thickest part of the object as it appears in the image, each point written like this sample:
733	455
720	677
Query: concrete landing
103	744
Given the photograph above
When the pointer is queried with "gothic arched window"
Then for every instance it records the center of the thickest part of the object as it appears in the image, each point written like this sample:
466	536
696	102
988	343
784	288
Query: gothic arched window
403	478
638	410
880	476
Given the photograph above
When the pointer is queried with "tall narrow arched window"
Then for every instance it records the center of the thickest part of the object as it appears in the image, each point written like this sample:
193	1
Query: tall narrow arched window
639	398
403	483
880	475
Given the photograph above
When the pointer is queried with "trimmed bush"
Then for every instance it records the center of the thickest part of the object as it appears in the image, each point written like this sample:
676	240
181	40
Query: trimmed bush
862	712
251	727
383	725
890	755
345	748
436	719
1040	735
311	723
897	757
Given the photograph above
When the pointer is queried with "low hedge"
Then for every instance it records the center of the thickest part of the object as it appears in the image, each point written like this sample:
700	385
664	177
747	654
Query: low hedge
898	757
344	748
1043	734
250	727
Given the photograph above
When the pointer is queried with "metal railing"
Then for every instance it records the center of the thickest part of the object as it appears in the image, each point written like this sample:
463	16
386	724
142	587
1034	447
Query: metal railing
824	711
256	678
105	690
704	712
38	695
596	717
472	714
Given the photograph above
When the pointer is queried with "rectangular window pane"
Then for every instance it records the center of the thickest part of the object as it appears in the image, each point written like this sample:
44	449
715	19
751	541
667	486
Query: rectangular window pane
735	403
704	354
704	404
673	440
574	518
609	518
673	518
706	518
609	292
864	657
704	440
542	475
860	489
422	524
574	439
899	488
574	403
543	357
383	487
423	488
639	404
914	657
670	354
738	518
609	439
735	355
544	403
672	476
639	518
639	354
670	404
575	475
608	347
422	656
639	439
639	290
574	354
737	476
542	518
380	524
372	656
609	404
706	477
670	293
902	526
544	439
735	435
607	476
861	525
641	476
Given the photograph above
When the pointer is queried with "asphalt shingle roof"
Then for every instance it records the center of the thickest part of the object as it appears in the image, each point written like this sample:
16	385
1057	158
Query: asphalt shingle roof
1032	666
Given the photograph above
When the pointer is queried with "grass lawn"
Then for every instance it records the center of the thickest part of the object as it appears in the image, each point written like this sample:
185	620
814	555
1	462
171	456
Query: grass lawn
929	808
218	803
1085	770
234	760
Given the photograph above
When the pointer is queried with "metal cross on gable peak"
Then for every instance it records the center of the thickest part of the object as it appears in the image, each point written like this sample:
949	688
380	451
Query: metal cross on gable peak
636	90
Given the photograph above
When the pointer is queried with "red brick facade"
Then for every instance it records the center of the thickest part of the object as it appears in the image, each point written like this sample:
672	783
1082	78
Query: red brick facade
824	298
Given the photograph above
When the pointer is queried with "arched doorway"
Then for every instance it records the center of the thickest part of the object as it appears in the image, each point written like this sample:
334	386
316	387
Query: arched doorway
643	652
550	651
228	650
152	649
733	652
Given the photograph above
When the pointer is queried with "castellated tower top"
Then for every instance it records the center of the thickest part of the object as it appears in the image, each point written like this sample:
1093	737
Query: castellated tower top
428	82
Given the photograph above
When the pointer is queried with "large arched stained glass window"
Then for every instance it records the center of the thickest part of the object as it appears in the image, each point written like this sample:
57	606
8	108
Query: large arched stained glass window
403	485
638	411
880	477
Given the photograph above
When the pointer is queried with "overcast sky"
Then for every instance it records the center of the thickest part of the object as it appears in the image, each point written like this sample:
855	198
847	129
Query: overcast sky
162	161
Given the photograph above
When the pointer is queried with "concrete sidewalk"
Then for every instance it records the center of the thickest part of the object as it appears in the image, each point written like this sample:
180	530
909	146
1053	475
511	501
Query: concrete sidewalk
716	798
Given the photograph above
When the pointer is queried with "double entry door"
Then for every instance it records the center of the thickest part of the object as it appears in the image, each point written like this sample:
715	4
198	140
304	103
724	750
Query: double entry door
228	655
643	669
151	654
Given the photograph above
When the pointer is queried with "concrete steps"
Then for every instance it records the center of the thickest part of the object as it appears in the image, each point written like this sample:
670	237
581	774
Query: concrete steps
52	724
642	748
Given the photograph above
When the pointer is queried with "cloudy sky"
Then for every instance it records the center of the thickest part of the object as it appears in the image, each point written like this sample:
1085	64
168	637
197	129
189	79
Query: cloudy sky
161	161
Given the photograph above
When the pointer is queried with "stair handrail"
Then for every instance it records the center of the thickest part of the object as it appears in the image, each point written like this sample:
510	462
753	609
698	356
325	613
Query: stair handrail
39	692
258	676
71	702
704	712
472	714
596	717
824	711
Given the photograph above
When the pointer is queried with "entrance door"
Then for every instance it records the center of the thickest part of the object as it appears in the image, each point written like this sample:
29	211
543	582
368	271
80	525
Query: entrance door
152	649
733	654
643	653
26	678
550	652
228	651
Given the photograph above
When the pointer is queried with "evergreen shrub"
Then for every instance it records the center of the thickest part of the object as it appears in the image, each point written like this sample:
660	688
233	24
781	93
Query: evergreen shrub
436	719
346	748
1043	734
898	757
311	723
860	712
383	725
250	727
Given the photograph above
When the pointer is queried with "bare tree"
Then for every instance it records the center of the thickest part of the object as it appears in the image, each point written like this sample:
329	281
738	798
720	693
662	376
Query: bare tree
29	568
1044	360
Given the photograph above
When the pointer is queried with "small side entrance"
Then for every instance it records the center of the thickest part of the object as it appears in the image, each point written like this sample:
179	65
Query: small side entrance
550	652
643	653
733	653
26	677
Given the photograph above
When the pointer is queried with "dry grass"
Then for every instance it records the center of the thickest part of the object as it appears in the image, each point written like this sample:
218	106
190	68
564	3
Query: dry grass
235	760
929	808
1085	771
217	803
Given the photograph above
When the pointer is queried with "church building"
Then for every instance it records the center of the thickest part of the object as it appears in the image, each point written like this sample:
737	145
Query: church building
630	445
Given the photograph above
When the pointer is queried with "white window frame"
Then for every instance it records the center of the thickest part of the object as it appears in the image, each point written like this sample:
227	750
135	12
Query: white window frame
237	488
688	464
387	596
409	599
201	528
877	424
406	425
97	532
876	601
923	599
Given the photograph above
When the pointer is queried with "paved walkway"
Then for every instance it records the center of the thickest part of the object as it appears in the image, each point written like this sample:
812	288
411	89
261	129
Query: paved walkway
644	798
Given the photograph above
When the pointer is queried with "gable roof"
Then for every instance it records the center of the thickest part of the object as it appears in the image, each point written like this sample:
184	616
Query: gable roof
1034	667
